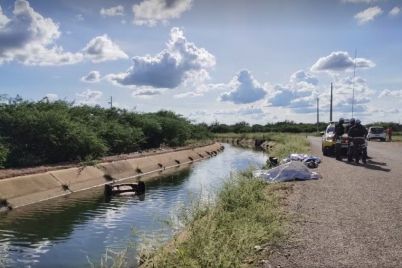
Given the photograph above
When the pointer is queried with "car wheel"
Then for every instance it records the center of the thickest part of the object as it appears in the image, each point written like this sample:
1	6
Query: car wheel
325	151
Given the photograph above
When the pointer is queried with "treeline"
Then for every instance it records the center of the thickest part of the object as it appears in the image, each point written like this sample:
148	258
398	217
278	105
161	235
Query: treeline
285	126
35	133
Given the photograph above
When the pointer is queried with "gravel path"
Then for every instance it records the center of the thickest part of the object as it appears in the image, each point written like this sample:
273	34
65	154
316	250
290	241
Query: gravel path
352	217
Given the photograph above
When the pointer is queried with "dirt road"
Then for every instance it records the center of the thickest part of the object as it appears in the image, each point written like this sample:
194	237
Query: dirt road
352	217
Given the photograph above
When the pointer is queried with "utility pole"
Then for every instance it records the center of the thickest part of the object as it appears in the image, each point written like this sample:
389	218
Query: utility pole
318	114
354	76
111	102
330	108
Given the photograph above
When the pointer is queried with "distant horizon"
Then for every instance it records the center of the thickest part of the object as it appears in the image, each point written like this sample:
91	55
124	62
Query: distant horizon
259	61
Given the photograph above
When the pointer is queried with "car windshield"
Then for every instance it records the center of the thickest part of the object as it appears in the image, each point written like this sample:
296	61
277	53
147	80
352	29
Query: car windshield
330	129
377	130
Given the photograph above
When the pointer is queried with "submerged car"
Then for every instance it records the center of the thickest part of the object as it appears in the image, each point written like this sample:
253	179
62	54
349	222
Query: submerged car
328	139
376	132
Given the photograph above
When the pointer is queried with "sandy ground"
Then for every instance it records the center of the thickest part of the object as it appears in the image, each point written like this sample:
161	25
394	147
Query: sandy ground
352	217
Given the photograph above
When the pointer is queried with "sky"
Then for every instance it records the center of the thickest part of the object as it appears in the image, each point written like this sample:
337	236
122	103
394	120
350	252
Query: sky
258	61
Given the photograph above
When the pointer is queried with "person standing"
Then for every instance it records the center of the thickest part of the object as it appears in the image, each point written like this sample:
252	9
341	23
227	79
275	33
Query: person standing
339	131
389	131
357	135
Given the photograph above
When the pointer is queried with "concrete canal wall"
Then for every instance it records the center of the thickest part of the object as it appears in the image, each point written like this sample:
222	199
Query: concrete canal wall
29	189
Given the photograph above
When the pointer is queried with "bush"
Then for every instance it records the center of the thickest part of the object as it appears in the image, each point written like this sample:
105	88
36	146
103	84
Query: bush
3	155
42	133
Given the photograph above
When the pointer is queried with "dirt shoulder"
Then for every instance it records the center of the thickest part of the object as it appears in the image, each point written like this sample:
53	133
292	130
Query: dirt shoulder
352	217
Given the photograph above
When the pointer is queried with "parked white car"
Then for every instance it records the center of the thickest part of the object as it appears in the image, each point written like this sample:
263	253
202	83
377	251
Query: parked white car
376	132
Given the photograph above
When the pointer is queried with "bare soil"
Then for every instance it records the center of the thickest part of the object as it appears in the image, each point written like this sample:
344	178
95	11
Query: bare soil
352	217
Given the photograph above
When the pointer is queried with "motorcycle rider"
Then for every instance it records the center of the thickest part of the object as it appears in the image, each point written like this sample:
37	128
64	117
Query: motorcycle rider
357	135
339	131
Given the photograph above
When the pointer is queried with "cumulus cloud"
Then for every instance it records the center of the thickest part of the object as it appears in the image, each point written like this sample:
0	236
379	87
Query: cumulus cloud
393	12
101	48
389	93
88	97
302	76
152	12
343	90
339	61
368	15
299	94
3	19
244	89
112	11
91	77
179	62
30	38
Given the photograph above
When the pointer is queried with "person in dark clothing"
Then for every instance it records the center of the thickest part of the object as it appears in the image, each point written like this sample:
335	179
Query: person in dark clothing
357	134
352	122
339	131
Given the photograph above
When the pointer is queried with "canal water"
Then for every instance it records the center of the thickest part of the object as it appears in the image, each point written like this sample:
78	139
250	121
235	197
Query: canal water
78	230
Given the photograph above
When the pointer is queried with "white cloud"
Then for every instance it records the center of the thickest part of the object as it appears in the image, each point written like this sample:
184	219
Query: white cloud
101	48
368	15
51	97
88	97
3	19
180	62
299	94
389	93
152	12
112	11
343	96
91	77
394	12
28	37
244	89
340	61
302	76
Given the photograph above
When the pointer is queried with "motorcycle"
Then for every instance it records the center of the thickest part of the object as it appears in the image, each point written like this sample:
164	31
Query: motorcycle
357	150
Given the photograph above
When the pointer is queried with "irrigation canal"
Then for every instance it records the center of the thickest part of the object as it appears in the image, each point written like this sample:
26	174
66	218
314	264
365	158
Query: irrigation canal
76	230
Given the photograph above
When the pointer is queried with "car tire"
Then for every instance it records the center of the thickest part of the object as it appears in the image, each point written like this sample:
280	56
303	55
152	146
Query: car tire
325	151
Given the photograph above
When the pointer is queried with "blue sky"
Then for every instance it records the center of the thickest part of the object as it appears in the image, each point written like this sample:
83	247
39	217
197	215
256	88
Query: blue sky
258	61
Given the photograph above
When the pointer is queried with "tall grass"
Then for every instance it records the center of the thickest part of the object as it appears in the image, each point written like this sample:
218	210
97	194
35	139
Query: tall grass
245	214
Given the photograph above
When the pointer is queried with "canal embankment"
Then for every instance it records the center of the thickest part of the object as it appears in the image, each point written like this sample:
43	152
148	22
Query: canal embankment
245	221
33	188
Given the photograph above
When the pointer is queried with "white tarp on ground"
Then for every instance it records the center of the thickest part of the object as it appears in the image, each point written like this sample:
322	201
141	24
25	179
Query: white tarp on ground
293	170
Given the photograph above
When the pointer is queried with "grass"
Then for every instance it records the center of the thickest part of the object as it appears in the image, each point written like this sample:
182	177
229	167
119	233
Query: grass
397	136
245	214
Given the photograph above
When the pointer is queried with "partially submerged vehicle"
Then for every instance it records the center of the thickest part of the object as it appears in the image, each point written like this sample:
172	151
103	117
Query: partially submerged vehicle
125	189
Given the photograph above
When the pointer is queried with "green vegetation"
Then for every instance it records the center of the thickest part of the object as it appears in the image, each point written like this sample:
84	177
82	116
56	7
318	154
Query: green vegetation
36	133
285	143
283	127
245	214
